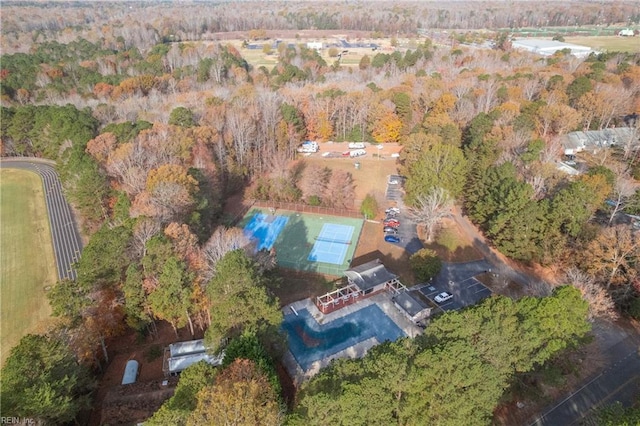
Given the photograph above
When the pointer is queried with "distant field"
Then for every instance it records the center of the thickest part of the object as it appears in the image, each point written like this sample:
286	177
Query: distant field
27	263
257	58
608	43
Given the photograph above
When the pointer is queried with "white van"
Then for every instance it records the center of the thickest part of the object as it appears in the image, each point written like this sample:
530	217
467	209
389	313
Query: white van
357	153
356	145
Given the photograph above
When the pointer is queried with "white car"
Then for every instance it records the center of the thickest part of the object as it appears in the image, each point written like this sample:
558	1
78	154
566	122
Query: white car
443	297
358	153
356	145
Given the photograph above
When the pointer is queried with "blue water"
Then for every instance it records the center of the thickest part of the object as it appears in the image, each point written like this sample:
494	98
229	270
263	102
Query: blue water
310	341
265	232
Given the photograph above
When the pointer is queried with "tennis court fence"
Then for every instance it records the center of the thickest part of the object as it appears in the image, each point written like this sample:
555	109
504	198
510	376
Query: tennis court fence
326	269
305	208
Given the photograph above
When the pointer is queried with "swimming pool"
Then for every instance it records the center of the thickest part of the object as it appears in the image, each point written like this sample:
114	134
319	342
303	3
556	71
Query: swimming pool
310	342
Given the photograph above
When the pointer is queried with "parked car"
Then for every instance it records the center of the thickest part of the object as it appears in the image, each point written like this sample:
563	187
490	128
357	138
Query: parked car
391	239
443	297
391	216
391	222
356	145
358	153
392	210
394	179
390	230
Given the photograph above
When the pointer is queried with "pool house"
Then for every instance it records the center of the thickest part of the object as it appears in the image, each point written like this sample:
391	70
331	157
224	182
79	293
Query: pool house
362	281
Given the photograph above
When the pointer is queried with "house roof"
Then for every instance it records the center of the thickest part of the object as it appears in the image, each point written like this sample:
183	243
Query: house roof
369	275
595	139
412	305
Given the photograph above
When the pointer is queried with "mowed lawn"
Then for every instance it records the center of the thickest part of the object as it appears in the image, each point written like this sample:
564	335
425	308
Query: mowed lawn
608	43
27	264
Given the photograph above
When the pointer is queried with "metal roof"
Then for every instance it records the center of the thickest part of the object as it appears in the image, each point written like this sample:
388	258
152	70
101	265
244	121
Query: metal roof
188	347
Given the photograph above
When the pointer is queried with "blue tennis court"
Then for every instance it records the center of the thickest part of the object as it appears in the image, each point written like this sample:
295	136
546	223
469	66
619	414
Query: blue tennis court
265	228
310	341
332	244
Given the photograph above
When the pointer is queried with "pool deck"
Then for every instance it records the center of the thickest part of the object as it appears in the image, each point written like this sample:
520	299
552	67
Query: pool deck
383	300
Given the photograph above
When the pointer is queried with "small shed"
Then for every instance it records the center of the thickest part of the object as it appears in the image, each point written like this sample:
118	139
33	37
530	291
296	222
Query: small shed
188	347
130	372
411	306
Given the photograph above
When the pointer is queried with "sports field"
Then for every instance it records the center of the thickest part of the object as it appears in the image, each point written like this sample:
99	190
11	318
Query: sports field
27	263
306	242
608	43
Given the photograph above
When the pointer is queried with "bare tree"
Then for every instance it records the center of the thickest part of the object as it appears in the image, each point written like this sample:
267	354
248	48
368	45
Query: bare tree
144	229
315	180
222	241
623	187
600	303
431	209
340	190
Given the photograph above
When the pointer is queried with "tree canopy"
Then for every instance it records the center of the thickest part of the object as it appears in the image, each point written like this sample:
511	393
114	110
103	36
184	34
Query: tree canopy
42	380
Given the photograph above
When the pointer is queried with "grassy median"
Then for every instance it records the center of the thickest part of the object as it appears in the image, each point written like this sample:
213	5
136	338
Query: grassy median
27	265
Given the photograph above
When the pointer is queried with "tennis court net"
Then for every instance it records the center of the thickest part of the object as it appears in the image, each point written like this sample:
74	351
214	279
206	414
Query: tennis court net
329	240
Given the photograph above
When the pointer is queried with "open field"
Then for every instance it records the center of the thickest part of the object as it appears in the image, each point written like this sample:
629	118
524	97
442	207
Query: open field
26	257
257	58
371	178
608	43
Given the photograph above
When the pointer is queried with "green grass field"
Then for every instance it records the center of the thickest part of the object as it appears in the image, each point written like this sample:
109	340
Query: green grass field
608	43
26	257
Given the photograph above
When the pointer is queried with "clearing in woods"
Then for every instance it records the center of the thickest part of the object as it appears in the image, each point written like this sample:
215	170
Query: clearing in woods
608	43
26	262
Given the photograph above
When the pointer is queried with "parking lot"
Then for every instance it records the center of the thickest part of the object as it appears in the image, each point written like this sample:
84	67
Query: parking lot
407	230
459	280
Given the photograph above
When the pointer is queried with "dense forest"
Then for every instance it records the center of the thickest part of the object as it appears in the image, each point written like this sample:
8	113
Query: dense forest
154	121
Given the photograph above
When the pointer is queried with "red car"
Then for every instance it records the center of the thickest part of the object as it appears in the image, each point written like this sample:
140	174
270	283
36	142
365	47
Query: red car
392	223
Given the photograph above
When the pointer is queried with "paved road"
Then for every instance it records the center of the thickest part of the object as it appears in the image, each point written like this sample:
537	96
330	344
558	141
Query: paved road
67	244
620	381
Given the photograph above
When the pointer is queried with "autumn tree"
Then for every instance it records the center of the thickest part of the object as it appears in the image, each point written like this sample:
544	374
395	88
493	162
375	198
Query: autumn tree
241	395
314	183
340	190
612	257
177	409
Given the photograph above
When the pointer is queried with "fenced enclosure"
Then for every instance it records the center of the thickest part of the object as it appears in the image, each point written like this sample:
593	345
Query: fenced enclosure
299	244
